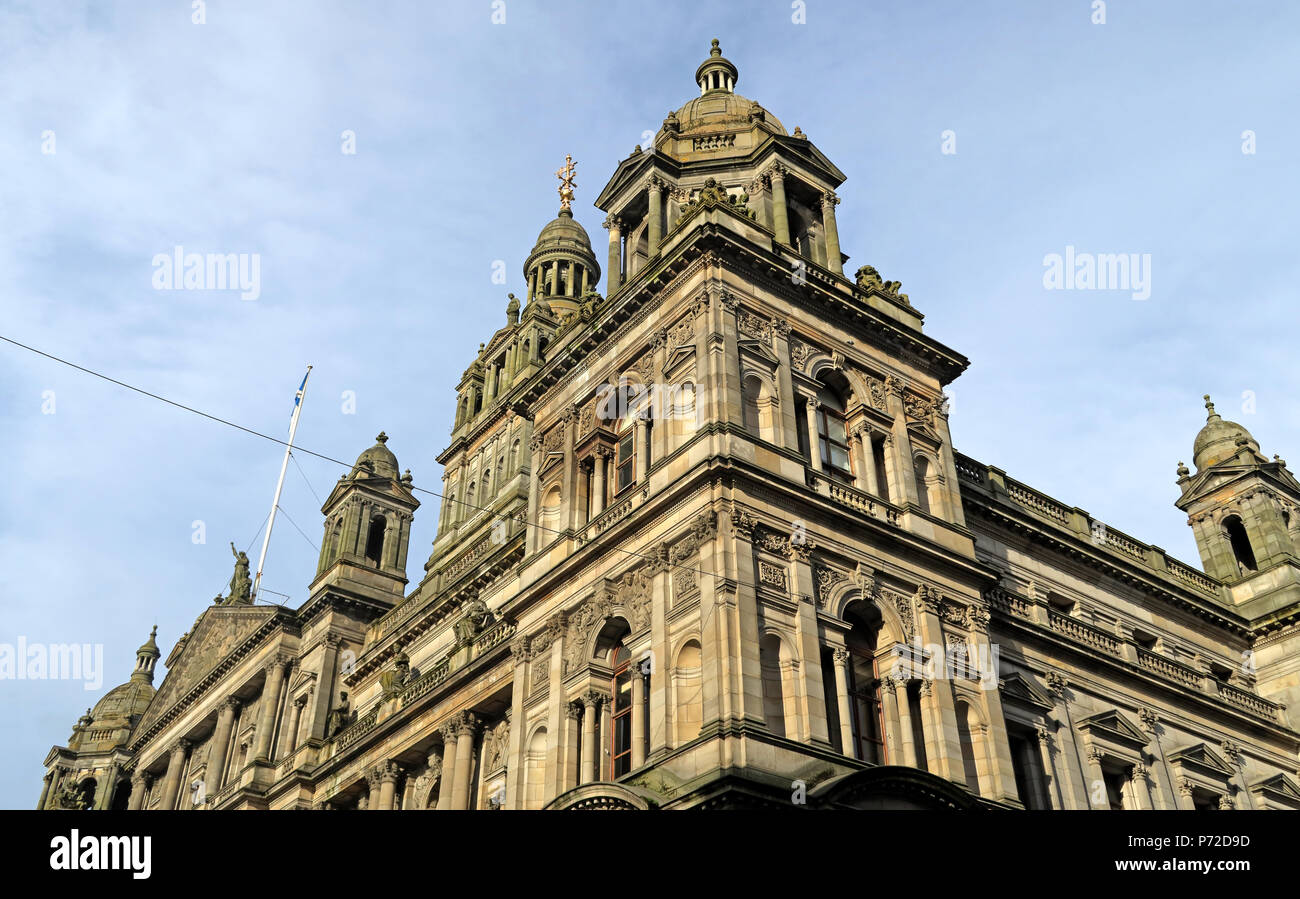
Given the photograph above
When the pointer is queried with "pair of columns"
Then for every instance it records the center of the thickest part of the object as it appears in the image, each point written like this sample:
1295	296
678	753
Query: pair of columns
458	736
781	218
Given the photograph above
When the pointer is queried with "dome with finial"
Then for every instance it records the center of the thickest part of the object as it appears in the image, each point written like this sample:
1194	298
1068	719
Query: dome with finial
121	707
1219	439
562	265
718	108
378	461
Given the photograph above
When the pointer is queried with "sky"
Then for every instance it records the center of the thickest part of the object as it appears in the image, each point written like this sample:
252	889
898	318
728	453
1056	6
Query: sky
1168	131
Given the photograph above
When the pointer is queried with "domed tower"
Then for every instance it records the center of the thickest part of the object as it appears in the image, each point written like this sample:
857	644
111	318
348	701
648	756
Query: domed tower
89	771
368	518
1244	508
562	267
780	180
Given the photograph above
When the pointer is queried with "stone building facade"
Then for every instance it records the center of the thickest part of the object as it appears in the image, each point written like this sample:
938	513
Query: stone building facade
705	542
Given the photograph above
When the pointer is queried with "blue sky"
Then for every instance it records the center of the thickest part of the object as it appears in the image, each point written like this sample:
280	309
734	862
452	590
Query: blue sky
376	267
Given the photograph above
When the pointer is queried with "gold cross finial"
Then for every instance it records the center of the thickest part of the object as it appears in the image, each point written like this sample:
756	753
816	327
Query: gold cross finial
567	183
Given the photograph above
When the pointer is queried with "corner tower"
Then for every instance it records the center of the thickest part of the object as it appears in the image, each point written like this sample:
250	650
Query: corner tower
368	527
1243	508
782	180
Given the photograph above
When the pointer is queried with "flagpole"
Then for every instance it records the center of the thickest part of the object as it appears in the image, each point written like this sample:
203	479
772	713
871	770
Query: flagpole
279	485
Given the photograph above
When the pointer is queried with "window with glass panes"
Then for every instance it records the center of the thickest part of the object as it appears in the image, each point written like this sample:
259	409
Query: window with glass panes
621	720
864	701
833	442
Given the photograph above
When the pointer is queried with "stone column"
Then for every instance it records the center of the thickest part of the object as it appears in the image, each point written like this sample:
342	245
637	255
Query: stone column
172	779
780	214
600	462
654	230
535	537
104	790
1049	769
515	765
867	479
289	736
642	449
829	200
606	737
637	674
45	790
889	709
614	272
902	481
810	690
814	442
590	736
466	728
269	702
532	285
951	483
388	772
572	712
942	750
221	745
1095	780
1140	787
554	279
324	686
448	732
139	786
570	285
841	657
907	735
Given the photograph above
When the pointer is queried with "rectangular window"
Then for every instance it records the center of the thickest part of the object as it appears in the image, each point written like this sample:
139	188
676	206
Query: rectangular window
864	701
833	438
625	462
622	723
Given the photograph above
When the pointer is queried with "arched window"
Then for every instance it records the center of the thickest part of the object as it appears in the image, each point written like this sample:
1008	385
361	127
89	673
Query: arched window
621	722
778	686
514	456
535	771
375	540
1240	542
921	468
478	401
631	408
688	697
750	390
832	434
864	684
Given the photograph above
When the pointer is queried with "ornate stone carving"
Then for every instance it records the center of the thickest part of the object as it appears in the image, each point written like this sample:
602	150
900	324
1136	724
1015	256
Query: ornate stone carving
773	575
1150	720
826	579
928	599
496	746
902	604
1057	683
753	326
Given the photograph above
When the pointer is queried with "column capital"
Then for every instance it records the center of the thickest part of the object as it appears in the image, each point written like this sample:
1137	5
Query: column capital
1044	735
830	198
180	747
389	771
613	223
467	724
841	655
573	710
592	700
